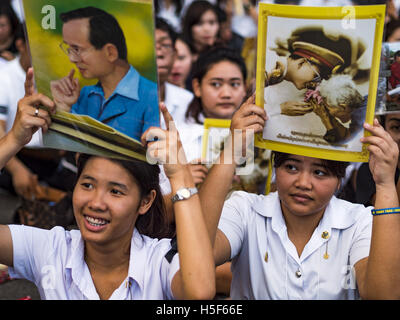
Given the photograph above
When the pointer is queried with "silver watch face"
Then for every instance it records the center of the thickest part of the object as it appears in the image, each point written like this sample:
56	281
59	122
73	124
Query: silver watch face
184	193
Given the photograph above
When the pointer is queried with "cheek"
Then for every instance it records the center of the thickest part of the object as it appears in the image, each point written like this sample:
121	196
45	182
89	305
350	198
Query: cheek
208	98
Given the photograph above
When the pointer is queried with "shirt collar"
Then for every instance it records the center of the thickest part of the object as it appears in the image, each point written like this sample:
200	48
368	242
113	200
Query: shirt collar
336	214
138	257
127	87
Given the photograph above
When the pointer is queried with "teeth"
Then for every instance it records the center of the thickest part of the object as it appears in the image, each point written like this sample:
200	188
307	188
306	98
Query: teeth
96	222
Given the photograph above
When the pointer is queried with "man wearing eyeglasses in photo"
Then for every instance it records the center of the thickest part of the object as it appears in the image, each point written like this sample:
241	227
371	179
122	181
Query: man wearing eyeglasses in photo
122	98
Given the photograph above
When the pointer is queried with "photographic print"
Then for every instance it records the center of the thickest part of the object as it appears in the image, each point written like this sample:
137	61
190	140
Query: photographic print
317	78
96	60
250	175
389	79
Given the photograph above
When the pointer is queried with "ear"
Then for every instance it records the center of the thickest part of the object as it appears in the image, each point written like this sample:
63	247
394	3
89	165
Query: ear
111	52
147	202
196	88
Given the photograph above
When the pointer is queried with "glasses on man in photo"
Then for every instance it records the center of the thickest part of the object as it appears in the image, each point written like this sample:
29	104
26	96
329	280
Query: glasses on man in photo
75	50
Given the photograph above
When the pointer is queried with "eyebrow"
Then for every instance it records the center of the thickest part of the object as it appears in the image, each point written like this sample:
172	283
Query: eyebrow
222	79
394	119
112	183
315	164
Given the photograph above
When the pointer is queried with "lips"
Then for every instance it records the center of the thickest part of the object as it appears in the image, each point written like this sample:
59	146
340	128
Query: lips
301	197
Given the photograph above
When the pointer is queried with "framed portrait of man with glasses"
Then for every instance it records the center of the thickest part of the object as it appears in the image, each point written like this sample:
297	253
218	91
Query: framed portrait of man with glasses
98	62
317	78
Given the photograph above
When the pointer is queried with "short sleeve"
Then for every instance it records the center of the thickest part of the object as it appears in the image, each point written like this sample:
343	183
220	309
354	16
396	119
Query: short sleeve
362	238
29	247
32	248
233	221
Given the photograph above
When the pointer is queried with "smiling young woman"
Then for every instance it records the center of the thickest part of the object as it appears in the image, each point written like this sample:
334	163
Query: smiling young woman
119	251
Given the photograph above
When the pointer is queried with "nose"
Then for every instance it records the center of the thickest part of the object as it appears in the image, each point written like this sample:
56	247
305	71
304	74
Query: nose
303	181
97	202
225	91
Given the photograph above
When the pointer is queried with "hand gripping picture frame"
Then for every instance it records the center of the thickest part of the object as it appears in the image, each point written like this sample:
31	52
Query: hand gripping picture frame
317	75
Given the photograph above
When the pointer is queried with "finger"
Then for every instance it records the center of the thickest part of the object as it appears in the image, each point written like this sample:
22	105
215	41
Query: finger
64	87
251	109
169	121
29	83
76	85
39	99
251	120
250	100
71	74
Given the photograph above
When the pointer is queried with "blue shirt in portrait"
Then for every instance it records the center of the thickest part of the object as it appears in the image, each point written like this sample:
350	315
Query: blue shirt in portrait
131	109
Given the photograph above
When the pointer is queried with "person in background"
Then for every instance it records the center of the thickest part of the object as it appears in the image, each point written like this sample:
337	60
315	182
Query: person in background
365	190
175	98
169	10
9	24
200	26
182	66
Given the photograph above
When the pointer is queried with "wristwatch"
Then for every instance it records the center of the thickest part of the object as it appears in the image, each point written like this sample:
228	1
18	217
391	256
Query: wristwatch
183	194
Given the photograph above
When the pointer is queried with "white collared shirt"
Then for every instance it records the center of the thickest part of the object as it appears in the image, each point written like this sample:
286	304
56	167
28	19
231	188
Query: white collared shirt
54	261
254	226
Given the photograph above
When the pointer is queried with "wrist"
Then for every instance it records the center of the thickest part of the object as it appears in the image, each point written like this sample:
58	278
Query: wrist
181	179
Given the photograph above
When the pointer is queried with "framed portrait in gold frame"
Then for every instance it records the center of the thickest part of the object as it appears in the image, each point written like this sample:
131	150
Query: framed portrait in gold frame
317	74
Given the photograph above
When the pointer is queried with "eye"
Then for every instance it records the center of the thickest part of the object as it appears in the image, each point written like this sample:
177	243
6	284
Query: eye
215	84
290	167
236	84
117	192
395	128
321	173
87	185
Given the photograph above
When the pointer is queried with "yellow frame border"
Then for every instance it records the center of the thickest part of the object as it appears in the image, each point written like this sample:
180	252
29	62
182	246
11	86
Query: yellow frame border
211	123
361	12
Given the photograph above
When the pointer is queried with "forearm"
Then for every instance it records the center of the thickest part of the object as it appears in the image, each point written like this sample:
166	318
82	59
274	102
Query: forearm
8	149
214	190
197	268
15	165
383	277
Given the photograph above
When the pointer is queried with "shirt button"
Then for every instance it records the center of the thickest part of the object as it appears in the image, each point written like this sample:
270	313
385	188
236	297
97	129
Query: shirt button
298	273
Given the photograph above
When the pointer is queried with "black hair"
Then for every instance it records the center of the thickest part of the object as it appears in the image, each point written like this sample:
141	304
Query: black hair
203	64
154	223
391	27
104	28
336	168
163	25
193	16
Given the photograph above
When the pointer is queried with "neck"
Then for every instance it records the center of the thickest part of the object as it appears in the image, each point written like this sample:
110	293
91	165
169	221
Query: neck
108	257
110	82
301	228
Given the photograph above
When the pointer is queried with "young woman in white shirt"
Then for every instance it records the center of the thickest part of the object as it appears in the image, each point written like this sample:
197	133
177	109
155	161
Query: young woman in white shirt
114	254
301	242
